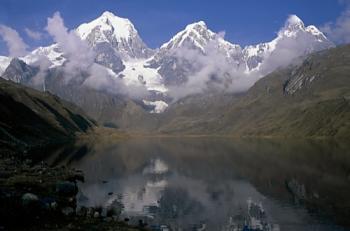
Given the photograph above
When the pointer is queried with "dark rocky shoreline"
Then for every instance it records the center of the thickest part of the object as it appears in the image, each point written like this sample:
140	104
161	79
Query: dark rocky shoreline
36	196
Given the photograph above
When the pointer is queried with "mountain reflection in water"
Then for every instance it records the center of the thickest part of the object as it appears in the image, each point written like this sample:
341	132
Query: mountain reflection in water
218	183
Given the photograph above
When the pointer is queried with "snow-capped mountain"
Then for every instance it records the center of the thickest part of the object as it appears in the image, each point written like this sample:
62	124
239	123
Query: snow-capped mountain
176	60
119	48
117	33
173	60
113	39
198	36
308	39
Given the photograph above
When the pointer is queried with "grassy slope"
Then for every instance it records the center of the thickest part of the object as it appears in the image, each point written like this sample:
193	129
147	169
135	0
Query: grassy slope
29	117
320	108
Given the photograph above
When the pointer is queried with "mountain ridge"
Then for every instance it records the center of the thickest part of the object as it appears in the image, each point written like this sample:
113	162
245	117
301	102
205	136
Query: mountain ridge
115	41
159	75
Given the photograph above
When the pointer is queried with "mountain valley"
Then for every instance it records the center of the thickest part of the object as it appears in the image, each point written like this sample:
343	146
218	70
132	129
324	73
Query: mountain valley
139	90
188	115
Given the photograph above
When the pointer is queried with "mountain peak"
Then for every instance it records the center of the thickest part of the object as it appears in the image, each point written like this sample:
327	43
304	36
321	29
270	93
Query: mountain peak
294	20
113	36
121	28
199	24
292	26
295	29
114	19
294	23
108	14
195	34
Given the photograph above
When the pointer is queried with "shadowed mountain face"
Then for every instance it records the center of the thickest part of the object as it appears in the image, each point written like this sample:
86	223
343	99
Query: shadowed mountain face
32	118
112	110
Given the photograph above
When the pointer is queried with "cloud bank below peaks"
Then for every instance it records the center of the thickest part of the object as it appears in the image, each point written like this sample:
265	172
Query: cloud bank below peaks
215	71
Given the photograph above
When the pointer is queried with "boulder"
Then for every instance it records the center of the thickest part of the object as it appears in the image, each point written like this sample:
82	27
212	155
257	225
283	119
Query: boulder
29	199
66	188
67	211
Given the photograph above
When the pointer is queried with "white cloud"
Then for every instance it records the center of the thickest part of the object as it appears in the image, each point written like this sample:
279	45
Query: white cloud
215	72
100	78
43	63
15	44
78	52
339	31
287	50
36	35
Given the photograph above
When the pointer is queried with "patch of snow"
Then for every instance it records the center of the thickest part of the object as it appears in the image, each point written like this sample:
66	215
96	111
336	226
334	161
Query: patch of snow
159	106
313	30
135	73
52	53
157	166
316	32
228	48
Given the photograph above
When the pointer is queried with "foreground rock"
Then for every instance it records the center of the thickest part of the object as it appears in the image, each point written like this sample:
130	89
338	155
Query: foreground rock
40	197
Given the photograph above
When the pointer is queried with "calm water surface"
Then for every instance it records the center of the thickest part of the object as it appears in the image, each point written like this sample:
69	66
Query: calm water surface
216	183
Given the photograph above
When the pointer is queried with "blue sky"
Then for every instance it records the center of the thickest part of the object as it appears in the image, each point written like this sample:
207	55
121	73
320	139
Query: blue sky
244	21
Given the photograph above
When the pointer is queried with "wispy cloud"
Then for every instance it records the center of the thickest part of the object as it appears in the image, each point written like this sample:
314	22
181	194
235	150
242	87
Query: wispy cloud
15	44
339	31
36	35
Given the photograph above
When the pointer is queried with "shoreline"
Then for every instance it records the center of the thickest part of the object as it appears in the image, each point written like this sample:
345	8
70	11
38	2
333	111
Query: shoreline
42	197
99	133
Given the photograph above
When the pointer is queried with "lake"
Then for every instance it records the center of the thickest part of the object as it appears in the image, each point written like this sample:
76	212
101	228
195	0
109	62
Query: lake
217	183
